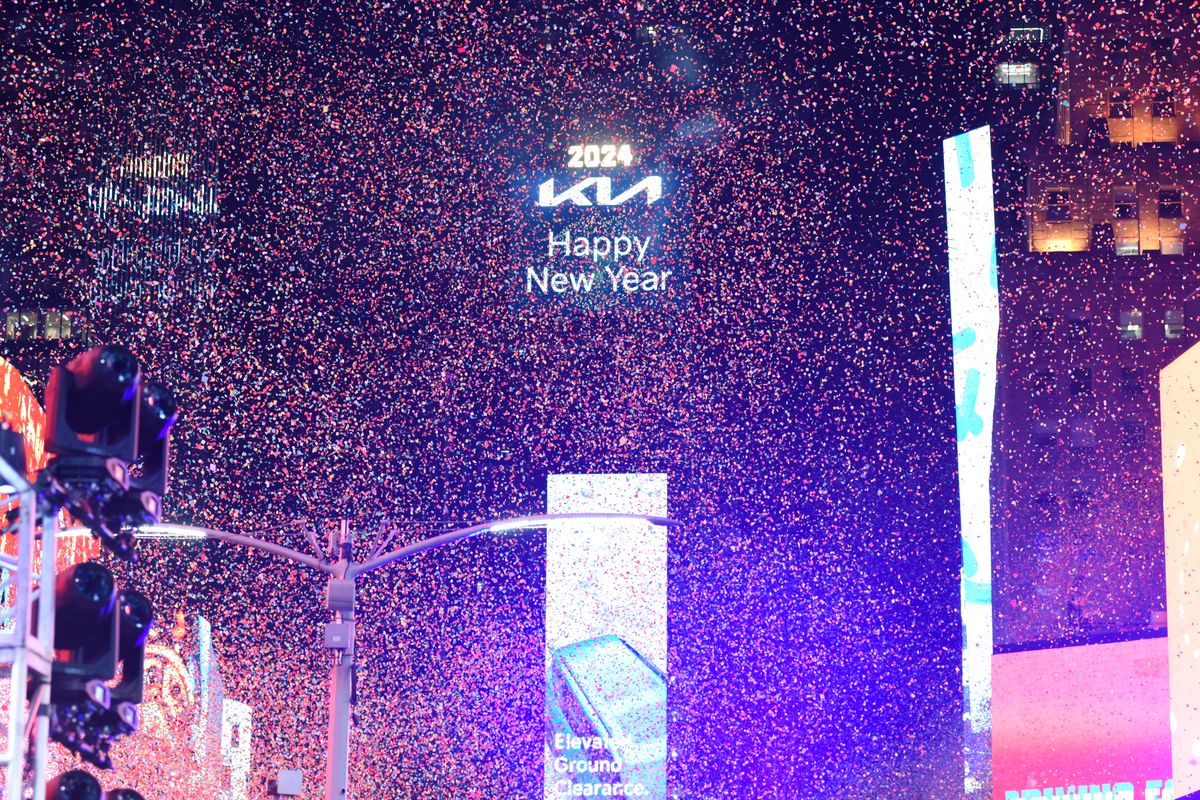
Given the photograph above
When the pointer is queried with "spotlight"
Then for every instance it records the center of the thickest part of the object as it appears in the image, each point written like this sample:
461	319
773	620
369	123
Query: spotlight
92	405
158	414
74	785
85	599
137	617
141	503
96	631
123	794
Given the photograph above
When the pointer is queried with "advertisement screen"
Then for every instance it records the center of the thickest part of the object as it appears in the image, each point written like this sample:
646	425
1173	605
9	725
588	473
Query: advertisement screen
606	639
1181	516
606	226
975	321
1087	722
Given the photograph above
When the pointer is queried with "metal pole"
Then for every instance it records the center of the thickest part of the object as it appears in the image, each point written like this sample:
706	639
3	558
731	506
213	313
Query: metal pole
339	640
45	637
341	691
339	598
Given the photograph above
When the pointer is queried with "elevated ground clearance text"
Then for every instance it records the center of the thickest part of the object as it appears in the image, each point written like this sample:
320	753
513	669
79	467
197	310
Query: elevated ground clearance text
604	252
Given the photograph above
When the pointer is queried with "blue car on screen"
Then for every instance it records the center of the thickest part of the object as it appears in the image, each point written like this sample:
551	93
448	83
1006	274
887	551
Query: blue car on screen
606	721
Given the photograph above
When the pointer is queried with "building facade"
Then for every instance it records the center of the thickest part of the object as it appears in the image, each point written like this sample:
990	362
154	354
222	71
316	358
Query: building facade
1097	138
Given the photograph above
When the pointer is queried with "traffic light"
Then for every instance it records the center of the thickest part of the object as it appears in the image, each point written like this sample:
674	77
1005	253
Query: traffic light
96	627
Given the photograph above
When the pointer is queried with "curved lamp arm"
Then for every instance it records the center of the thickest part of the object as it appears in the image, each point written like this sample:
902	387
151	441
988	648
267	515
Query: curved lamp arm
354	570
268	547
513	523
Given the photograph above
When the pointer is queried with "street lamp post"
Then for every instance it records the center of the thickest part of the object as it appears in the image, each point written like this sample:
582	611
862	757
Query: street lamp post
343	571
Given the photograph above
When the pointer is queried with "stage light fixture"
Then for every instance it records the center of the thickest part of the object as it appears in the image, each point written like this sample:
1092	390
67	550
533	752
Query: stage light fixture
137	617
97	627
92	405
74	785
85	599
110	434
141	503
123	794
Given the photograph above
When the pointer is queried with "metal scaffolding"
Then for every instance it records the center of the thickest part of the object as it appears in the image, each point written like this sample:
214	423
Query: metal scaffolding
26	644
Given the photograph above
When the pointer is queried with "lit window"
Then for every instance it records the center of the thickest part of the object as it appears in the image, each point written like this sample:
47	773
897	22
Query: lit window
1173	326
1027	33
53	325
21	325
1125	203
1164	104
1121	105
1058	205
1128	247
1010	73
1131	325
1170	204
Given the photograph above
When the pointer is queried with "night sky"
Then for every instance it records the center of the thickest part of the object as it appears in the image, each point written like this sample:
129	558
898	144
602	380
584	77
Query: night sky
353	340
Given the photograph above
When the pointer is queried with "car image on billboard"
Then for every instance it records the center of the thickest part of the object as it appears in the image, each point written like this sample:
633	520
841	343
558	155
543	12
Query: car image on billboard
606	724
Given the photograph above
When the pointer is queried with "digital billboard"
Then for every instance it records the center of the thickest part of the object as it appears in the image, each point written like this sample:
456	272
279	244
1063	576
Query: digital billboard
1087	722
1179	382
975	322
604	226
606	639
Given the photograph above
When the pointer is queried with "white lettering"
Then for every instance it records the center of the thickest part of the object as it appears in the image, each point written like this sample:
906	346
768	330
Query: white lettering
622	246
615	277
601	247
645	243
548	199
652	185
531	277
598	248
565	244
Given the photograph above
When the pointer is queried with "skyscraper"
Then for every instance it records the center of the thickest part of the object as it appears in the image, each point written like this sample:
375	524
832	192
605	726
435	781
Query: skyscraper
1096	132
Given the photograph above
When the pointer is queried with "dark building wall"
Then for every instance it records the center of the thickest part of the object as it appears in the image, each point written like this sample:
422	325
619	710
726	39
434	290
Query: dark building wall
1077	484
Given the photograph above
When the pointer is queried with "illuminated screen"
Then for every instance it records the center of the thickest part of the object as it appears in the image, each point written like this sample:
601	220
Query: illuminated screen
1084	723
1178	386
604	227
606	639
975	320
21	410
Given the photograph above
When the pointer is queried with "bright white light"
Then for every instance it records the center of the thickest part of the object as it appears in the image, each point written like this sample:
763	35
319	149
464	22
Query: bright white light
508	525
163	531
